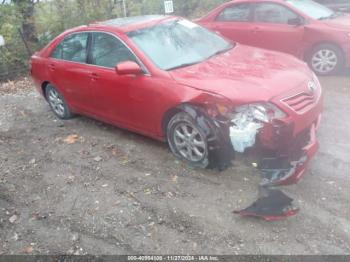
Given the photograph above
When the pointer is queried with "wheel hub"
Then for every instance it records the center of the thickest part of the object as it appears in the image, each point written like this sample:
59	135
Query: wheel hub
189	142
324	61
56	102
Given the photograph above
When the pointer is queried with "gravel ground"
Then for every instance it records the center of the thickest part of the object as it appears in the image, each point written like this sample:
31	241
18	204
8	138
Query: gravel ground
83	187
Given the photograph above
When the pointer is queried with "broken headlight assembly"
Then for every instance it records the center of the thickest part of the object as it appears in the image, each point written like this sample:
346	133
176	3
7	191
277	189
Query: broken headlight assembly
247	120
264	112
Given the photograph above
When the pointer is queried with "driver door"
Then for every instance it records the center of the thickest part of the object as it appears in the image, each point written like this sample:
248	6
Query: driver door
234	22
114	99
276	27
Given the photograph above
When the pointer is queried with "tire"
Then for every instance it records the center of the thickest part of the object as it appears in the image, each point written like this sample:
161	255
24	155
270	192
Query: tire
57	103
187	141
326	59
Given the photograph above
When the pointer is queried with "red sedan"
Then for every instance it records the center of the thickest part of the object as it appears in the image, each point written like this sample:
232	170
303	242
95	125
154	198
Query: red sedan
175	81
303	28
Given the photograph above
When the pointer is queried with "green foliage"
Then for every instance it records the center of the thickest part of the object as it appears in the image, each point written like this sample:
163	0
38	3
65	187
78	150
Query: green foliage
13	56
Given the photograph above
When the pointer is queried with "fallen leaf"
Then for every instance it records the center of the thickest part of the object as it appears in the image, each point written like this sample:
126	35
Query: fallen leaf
170	194
70	179
174	178
147	191
98	159
15	237
71	139
125	161
28	250
13	219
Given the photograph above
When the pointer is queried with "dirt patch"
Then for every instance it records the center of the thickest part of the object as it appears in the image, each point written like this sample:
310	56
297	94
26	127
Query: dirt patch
80	186
12	87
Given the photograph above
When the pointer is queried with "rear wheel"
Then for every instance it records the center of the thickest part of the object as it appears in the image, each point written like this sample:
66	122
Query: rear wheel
187	141
326	59
57	102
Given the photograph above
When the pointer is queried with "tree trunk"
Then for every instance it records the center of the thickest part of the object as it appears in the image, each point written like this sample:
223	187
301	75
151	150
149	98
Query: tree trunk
26	10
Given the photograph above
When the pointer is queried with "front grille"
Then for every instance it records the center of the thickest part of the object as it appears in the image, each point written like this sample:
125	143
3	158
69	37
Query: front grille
301	102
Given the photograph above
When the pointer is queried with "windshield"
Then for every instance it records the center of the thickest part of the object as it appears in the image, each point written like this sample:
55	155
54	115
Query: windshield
312	9
178	43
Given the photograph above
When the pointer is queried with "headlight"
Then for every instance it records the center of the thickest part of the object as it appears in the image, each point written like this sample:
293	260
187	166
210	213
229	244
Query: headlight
264	112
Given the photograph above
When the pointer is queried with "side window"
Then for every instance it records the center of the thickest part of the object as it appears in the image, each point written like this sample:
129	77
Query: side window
235	13
72	48
57	53
274	13
108	51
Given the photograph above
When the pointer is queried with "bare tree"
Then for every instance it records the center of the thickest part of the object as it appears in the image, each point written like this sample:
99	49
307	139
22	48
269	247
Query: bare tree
26	10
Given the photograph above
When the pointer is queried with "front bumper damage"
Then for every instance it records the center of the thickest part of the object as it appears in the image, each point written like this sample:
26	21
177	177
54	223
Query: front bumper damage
284	170
282	161
287	167
281	170
283	157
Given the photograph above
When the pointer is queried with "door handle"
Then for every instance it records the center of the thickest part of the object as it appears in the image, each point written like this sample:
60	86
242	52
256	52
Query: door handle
52	67
94	76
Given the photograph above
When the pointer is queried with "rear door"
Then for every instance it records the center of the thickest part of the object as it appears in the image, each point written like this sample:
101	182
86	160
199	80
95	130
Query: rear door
234	22
276	27
69	71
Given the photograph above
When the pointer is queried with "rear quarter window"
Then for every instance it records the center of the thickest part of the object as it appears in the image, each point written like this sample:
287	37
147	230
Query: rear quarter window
72	48
235	13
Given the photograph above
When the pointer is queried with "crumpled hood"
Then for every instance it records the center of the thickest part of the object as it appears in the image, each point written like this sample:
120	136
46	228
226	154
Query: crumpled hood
341	22
245	74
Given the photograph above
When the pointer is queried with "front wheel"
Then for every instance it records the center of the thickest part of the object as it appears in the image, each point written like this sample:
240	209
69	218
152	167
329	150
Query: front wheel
326	59
187	141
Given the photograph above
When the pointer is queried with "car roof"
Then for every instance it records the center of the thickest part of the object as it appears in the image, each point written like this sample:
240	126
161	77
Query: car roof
253	1
128	24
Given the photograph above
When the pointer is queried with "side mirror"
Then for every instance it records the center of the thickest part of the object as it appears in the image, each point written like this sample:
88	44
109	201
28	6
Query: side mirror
128	68
2	40
296	21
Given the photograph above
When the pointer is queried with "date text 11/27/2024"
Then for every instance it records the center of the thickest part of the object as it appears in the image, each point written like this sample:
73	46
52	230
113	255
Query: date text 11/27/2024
173	258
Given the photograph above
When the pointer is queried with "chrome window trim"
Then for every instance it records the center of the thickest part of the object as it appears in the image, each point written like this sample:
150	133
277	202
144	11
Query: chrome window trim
279	4
143	67
251	13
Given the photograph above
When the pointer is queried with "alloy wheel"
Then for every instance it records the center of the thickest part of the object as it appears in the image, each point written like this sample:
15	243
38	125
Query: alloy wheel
324	61
189	142
56	102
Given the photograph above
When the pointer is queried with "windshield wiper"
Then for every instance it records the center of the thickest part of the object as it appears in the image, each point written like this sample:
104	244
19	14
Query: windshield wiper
334	15
193	63
183	65
221	51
